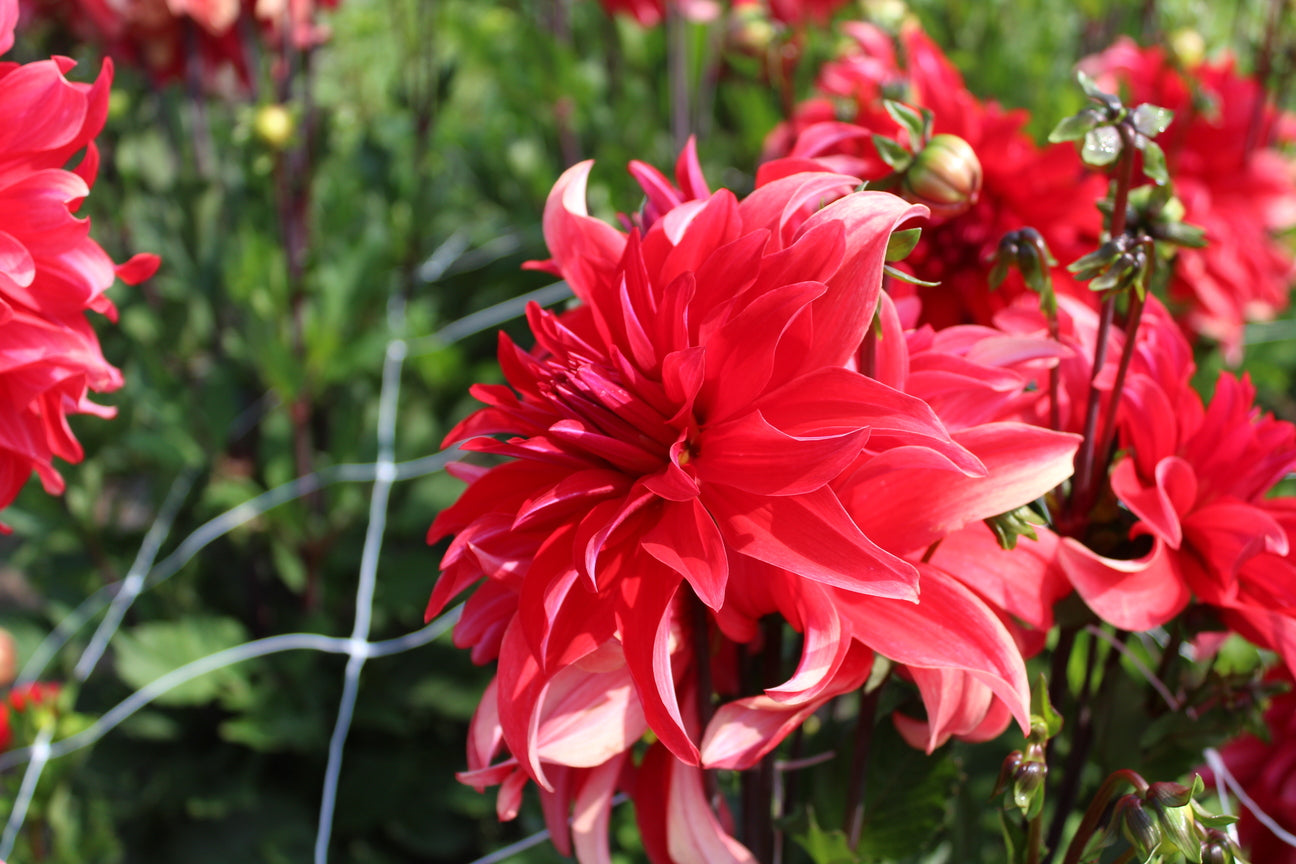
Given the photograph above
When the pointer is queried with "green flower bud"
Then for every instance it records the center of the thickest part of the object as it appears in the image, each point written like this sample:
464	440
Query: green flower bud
1171	806
1138	825
946	176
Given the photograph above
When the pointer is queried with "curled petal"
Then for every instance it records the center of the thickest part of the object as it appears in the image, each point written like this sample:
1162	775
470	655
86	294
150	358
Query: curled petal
1135	594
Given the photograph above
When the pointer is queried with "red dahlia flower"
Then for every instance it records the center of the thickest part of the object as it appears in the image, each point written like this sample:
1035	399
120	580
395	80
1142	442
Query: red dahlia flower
1022	184
51	271
1241	191
692	449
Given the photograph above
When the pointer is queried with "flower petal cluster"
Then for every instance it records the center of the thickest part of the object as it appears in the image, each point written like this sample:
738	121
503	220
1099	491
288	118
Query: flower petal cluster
21	700
51	270
692	449
175	39
1022	184
1235	186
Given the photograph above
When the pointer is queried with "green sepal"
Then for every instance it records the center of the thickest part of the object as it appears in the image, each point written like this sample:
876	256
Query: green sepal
901	243
1076	126
1042	708
892	153
918	125
1151	120
1102	146
905	277
1110	101
1154	162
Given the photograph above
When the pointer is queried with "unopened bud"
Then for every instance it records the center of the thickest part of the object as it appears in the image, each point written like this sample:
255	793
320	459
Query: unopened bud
8	658
1138	826
1171	805
946	176
274	125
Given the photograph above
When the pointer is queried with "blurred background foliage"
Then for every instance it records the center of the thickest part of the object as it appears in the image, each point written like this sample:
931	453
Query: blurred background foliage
402	166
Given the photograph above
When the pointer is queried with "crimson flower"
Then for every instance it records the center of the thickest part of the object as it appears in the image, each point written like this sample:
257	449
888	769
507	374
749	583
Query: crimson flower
692	449
1241	191
1022	184
51	270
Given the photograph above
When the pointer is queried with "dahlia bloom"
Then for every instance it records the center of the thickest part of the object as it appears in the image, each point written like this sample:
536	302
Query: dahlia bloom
1266	771
692	449
1022	184
51	270
1192	478
1238	189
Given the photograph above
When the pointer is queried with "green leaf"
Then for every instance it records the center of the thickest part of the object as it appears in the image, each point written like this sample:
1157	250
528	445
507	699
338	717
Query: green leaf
892	152
149	651
1154	163
1102	146
916	124
825	847
901	243
1151	120
1076	126
1181	234
905	277
908	802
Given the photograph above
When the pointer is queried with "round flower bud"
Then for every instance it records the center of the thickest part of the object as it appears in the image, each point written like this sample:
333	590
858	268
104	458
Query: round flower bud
274	125
945	176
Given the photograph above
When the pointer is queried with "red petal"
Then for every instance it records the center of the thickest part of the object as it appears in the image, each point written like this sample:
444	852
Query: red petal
748	453
812	536
1137	594
686	540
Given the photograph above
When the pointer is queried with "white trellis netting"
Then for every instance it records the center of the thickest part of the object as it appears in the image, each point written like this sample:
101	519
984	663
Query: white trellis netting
146	572
115	600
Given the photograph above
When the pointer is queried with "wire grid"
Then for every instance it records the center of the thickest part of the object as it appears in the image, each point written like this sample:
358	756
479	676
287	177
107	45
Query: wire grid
115	600
383	473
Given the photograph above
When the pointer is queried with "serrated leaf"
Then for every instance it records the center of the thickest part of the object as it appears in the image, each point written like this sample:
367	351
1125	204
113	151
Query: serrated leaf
1075	127
901	243
825	847
892	152
1154	163
909	798
1102	146
1152	120
149	651
910	120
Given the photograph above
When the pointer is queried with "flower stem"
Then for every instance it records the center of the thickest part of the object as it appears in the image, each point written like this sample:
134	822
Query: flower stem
702	659
859	765
1081	494
1113	404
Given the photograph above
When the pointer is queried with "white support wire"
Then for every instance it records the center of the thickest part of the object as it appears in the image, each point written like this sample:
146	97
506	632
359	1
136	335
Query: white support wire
1225	777
141	698
386	474
143	575
491	316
